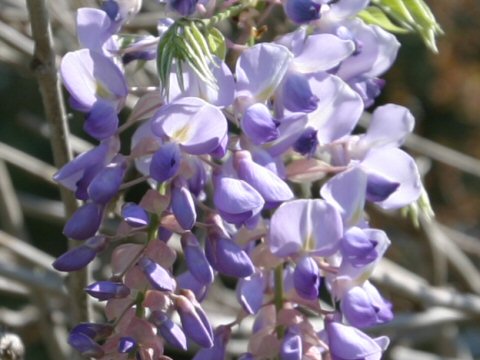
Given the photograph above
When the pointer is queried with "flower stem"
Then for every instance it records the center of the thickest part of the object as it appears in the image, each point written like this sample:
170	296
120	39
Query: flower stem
278	300
230	12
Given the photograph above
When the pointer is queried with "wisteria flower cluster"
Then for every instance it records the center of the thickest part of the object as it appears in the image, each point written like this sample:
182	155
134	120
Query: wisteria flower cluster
229	153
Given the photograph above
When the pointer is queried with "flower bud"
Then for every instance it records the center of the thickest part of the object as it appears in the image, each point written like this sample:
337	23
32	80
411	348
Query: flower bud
171	332
227	257
291	348
85	345
182	204
84	222
105	290
105	185
134	215
126	345
195	259
193	324
159	278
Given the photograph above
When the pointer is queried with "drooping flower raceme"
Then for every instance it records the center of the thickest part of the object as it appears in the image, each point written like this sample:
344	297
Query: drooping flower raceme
227	155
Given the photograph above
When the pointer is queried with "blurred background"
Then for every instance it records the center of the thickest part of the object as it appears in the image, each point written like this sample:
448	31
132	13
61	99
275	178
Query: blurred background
433	278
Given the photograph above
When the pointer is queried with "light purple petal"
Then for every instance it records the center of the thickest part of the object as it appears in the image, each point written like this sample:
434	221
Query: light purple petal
349	343
339	108
250	292
235	197
183	206
102	120
260	69
196	260
196	125
273	189
389	126
322	52
89	76
404	172
94	27
338	191
310	225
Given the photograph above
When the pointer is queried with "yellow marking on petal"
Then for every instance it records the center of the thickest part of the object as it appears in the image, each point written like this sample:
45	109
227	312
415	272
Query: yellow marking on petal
309	243
181	134
102	91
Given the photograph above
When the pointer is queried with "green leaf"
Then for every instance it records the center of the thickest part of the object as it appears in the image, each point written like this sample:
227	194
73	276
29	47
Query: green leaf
375	16
216	43
409	14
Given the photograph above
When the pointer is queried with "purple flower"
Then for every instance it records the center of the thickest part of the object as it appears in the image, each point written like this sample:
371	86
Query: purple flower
126	344
311	226
78	173
84	222
187	281
349	343
165	162
194	124
259	71
134	215
237	201
227	257
93	330
105	185
102	120
291	348
297	96
273	189
357	248
363	306
159	278
105	290
306	278
85	345
182	204
90	77
259	125
302	11
195	259
171	332
217	351
80	256
183	7
250	292
194	325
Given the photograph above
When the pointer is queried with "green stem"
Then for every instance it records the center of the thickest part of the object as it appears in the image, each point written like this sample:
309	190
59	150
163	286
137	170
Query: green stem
278	292
230	12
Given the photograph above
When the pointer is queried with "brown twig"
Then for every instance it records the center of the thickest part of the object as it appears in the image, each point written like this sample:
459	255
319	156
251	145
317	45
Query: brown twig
44	67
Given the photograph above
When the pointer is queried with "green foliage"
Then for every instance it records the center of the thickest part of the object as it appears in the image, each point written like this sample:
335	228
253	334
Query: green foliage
402	16
191	42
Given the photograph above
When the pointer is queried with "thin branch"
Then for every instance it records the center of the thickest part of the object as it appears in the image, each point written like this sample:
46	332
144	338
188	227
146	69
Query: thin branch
404	282
43	65
459	261
27	253
27	163
12	216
